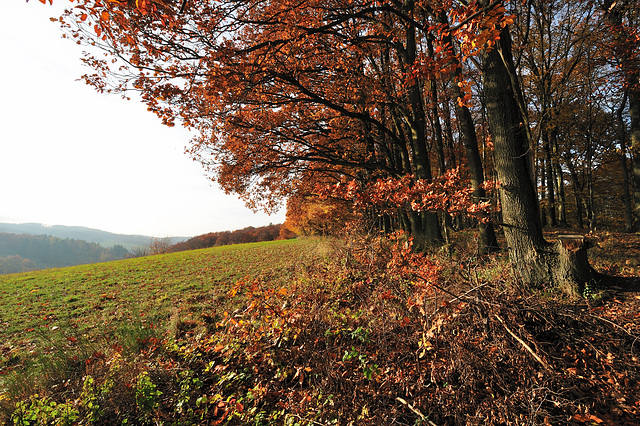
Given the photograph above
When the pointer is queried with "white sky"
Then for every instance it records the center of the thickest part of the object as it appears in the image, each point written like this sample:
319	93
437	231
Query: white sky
71	156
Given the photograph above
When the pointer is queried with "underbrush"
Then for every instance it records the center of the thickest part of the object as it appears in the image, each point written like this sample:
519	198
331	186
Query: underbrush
374	334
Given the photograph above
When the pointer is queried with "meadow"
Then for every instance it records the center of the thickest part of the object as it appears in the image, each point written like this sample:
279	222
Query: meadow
318	331
94	301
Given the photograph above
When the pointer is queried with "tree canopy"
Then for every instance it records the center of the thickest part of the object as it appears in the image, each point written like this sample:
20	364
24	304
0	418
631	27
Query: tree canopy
289	98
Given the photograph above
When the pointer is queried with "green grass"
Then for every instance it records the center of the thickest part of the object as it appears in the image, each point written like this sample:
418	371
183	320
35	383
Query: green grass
96	301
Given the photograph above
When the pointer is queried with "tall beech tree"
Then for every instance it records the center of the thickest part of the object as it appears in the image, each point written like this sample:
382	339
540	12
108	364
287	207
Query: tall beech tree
285	94
538	261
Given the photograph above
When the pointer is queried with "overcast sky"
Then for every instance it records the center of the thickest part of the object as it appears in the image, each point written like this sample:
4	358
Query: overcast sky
70	156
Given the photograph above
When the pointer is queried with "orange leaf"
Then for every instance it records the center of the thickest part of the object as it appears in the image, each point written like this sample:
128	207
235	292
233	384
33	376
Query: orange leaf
84	17
585	418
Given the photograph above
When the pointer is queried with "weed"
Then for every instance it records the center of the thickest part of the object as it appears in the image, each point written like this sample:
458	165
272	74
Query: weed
44	411
147	393
89	399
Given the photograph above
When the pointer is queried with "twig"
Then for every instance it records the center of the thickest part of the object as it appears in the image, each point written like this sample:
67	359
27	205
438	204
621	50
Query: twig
615	325
412	408
457	296
467	292
523	343
620	327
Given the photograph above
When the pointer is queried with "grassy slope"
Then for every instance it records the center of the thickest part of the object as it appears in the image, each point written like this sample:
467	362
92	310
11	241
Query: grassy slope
96	300
352	336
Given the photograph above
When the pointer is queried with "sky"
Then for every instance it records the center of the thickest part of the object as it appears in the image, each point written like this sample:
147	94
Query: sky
72	156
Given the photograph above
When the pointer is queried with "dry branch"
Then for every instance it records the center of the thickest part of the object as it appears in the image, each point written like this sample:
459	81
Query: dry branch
523	343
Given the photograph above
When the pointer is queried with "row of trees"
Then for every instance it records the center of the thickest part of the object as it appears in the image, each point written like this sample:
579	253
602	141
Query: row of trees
23	252
240	236
289	98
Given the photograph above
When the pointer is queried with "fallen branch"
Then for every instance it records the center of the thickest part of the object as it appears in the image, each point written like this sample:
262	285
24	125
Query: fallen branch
620	327
412	408
523	343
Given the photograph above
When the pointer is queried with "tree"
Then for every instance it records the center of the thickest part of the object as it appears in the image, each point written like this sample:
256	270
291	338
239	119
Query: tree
538	261
623	18
312	215
552	40
158	245
285	95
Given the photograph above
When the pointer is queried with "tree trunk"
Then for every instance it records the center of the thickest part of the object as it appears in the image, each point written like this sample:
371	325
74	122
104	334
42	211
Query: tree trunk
437	130
559	182
532	257
589	204
487	243
634	114
615	13
626	193
425	225
577	190
572	265
551	196
542	191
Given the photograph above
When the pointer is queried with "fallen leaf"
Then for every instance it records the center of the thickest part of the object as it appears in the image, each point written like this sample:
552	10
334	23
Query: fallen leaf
580	418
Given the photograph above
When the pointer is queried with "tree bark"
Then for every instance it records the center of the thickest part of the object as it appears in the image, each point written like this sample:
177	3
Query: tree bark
559	181
551	196
577	190
572	264
634	114
532	257
425	225
614	12
487	242
626	192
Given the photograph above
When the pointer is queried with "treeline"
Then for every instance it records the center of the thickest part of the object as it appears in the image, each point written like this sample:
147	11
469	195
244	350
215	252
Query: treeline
240	236
21	252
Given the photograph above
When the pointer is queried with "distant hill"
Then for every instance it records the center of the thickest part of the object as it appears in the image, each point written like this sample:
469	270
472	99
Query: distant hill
240	236
104	238
31	246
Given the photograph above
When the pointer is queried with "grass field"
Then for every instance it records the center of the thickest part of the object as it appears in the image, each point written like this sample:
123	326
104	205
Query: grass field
40	309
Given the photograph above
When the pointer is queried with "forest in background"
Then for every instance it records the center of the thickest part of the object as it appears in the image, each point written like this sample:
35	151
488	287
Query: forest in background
249	234
22	252
91	235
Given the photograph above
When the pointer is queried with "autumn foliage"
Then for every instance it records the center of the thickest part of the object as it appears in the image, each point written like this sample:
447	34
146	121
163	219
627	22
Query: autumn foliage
286	95
240	236
404	115
447	193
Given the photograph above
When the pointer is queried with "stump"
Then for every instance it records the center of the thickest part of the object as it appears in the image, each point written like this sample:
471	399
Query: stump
572	271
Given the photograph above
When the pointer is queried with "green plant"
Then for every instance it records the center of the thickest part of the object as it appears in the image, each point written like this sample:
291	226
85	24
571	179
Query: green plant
89	400
188	384
147	394
369	370
44	411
